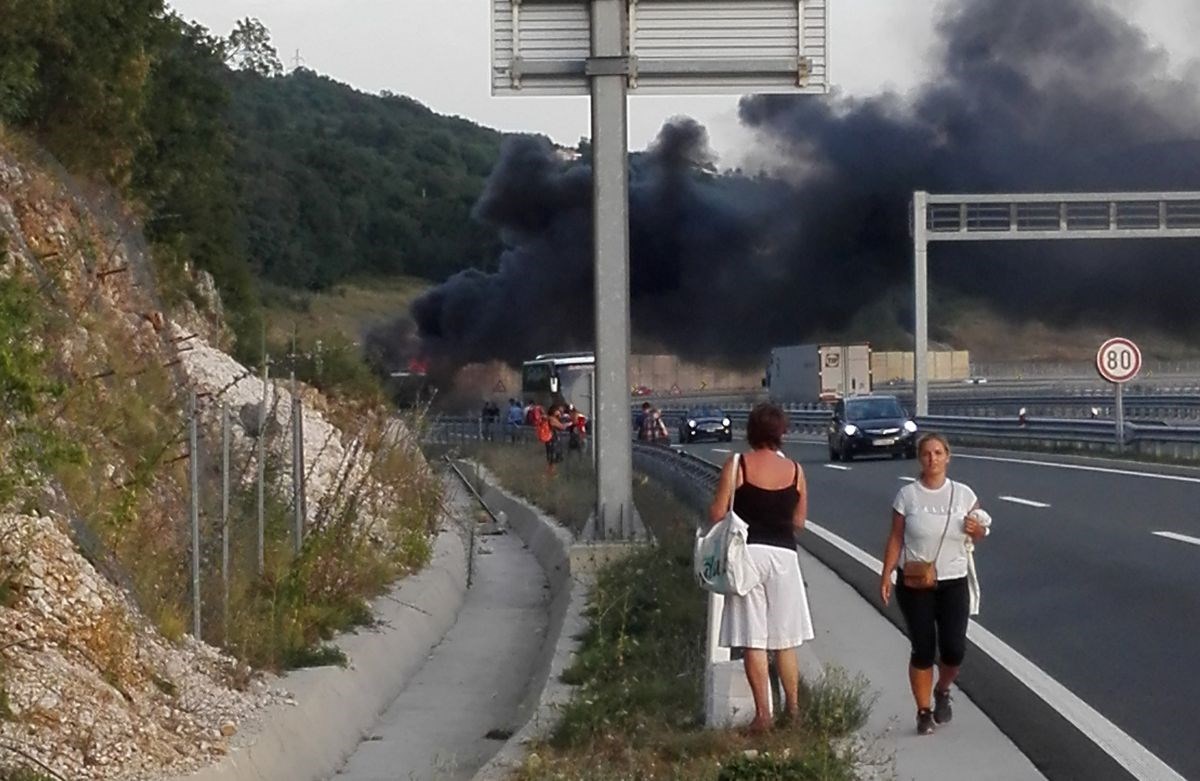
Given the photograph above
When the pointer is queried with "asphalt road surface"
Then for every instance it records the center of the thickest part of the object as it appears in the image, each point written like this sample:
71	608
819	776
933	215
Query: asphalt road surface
1092	572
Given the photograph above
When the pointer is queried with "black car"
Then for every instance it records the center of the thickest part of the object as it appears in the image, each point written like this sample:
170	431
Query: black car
871	425
702	422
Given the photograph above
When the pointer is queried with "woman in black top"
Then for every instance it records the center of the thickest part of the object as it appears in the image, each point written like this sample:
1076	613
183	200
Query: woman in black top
769	494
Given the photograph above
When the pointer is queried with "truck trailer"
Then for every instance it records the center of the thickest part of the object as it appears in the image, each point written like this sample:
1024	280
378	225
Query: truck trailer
809	373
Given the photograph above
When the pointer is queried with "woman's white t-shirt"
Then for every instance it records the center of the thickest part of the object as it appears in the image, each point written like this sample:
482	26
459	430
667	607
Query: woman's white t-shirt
924	512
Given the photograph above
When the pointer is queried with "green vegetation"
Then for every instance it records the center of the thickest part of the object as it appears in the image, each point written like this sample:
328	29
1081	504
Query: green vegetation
329	326
838	704
237	170
285	617
568	493
820	762
637	710
333	183
23	774
29	445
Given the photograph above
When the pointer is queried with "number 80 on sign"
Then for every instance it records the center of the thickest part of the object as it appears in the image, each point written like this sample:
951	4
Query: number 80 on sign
1119	360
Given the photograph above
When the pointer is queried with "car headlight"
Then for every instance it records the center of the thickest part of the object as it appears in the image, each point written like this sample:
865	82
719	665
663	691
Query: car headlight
910	427
850	429
725	422
691	424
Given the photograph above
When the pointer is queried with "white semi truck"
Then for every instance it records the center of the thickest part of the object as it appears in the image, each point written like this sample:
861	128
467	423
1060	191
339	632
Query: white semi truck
808	373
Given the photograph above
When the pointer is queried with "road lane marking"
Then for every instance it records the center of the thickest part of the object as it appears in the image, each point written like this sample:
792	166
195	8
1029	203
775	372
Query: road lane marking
721	450
838	467
908	479
1026	502
1083	468
1126	751
1179	537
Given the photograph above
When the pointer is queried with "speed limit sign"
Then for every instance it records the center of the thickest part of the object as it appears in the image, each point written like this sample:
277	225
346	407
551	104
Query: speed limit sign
1119	360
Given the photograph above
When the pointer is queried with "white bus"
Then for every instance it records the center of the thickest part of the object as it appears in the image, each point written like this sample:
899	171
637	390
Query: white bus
560	377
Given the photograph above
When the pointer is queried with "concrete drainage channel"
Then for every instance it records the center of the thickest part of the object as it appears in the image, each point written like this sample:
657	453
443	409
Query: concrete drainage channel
336	713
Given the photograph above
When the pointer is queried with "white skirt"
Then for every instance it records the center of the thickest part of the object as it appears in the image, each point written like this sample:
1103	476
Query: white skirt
774	614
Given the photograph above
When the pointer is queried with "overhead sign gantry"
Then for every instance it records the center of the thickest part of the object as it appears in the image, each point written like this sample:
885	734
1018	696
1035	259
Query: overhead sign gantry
608	49
1034	217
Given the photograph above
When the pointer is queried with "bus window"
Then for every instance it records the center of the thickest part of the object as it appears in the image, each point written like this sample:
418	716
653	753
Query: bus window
538	378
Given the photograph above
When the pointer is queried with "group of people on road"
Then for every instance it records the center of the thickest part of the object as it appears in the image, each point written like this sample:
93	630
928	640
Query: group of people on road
935	524
560	427
649	426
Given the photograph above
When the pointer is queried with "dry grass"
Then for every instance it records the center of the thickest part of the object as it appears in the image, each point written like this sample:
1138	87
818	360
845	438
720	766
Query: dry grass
568	493
345	310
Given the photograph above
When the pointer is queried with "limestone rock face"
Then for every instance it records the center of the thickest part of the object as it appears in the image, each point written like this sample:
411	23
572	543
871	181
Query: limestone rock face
88	687
93	691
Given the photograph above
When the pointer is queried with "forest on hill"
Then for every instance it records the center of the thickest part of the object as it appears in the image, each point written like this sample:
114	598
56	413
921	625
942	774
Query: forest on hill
234	167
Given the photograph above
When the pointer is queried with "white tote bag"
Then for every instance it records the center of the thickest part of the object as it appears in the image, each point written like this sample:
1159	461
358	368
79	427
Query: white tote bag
721	560
985	520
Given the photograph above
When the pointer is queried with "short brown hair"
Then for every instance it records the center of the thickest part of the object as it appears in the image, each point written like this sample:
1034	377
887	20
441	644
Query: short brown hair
933	436
766	426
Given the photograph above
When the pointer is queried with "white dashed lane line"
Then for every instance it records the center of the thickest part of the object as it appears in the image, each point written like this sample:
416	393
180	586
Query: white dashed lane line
721	450
1026	502
838	467
908	479
1178	537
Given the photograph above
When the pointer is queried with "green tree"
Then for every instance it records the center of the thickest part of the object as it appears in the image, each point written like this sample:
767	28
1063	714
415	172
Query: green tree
249	48
333	183
182	167
23	26
93	60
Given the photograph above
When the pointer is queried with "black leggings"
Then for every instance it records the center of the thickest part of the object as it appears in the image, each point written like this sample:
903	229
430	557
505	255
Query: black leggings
937	621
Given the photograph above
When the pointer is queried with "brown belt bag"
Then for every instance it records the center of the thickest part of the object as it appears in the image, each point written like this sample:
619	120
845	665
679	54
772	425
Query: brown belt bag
922	575
919	575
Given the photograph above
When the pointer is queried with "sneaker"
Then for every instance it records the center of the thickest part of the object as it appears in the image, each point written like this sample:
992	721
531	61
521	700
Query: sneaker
942	712
924	722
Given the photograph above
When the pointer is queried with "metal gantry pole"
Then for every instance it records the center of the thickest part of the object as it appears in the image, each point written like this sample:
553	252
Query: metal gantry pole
194	508
920	234
608	69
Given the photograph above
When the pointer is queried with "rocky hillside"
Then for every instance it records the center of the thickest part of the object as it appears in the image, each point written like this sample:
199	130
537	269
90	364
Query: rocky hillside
98	678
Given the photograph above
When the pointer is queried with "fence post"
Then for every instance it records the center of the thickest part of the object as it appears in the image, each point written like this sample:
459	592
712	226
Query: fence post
194	509
262	458
225	522
302	492
297	463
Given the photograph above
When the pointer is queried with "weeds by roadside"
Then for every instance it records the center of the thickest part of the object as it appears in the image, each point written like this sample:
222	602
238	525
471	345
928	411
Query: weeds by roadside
284	618
568	494
637	711
839	703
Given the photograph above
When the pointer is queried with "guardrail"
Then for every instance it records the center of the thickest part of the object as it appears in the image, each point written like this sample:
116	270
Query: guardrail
1041	433
1164	406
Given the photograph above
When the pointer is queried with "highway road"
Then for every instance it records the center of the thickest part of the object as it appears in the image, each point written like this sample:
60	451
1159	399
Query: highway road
1092	573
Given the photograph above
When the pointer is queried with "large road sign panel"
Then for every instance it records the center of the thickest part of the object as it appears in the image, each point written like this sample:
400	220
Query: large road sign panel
676	47
1118	360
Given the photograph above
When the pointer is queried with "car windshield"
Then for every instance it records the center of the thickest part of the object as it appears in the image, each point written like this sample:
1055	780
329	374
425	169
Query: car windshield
873	409
707	412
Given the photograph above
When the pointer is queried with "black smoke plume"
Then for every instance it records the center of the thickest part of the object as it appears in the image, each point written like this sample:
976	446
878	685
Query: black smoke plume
1032	96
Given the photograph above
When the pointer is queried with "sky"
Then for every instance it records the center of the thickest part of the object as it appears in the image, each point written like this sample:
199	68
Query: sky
437	51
